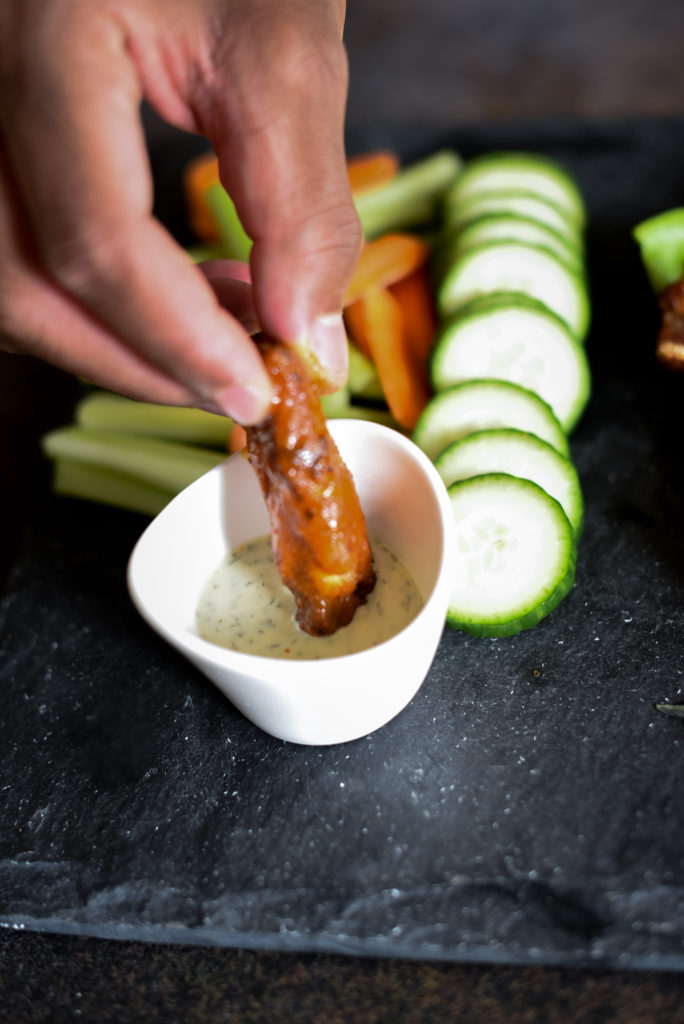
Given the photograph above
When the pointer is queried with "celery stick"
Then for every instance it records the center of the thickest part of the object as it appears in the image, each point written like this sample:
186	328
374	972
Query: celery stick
409	199
336	404
200	253
235	242
167	464
76	479
339	406
363	380
103	410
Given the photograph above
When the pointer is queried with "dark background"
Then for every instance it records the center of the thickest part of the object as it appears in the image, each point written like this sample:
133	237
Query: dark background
449	63
421	70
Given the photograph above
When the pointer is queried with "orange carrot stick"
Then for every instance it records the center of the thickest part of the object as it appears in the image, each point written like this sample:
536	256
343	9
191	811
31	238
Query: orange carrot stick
371	169
198	177
237	439
365	172
403	376
414	294
384	261
355	321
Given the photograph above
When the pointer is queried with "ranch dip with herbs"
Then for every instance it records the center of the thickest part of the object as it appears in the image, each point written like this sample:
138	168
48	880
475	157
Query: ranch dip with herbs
246	607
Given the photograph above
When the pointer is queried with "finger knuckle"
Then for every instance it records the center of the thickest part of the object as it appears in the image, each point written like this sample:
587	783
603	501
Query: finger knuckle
15	305
306	65
85	262
294	54
321	67
334	229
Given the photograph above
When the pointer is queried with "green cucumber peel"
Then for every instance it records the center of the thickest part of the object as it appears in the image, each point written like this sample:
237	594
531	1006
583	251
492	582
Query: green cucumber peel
459	212
521	268
521	454
512	227
535	172
516	338
484	404
515	555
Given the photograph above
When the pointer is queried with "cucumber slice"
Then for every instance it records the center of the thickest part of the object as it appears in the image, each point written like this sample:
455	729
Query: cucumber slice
514	557
514	338
661	242
511	227
502	170
519	454
459	212
517	267
483	405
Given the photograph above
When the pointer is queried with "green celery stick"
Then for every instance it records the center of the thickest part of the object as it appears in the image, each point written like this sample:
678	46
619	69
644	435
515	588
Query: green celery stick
235	242
167	464
363	379
411	198
336	404
105	411
339	406
76	479
200	253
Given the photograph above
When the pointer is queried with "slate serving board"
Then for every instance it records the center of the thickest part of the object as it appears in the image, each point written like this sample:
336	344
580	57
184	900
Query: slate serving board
526	807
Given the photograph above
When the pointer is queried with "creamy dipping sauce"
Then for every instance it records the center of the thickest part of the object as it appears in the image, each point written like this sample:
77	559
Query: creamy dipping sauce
246	607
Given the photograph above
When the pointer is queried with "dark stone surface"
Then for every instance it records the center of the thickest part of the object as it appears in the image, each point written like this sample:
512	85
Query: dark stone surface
416	72
525	808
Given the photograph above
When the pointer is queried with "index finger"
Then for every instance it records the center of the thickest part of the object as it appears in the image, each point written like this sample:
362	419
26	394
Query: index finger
76	145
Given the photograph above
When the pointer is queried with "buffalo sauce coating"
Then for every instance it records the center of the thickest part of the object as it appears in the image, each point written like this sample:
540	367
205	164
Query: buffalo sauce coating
670	347
318	531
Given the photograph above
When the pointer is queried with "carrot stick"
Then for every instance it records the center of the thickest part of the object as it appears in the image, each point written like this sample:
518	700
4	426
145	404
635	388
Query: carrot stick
366	171
415	296
237	439
356	323
371	169
412	197
198	177
403	376
385	261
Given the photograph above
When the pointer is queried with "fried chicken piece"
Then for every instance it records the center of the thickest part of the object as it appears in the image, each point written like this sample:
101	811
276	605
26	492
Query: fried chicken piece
318	530
670	344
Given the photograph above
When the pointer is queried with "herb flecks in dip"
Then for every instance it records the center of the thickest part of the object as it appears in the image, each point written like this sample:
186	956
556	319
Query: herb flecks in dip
245	606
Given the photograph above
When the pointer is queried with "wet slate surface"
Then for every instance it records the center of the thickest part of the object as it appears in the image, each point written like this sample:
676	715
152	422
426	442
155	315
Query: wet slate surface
524	808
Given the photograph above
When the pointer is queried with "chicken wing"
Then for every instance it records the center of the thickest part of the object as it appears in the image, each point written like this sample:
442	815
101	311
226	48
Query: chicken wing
319	536
670	345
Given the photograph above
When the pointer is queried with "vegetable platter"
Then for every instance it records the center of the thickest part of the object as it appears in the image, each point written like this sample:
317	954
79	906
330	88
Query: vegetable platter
524	808
467	312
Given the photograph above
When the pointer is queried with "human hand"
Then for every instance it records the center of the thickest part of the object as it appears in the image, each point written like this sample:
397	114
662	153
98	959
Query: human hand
89	280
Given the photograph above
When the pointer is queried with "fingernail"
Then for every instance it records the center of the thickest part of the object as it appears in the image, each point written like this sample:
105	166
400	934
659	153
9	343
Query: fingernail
242	403
328	341
249	323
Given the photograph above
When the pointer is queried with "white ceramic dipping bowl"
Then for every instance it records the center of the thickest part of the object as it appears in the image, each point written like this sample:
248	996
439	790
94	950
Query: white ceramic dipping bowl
321	701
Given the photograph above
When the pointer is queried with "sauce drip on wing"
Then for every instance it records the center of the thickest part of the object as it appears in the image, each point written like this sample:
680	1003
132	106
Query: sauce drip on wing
318	531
